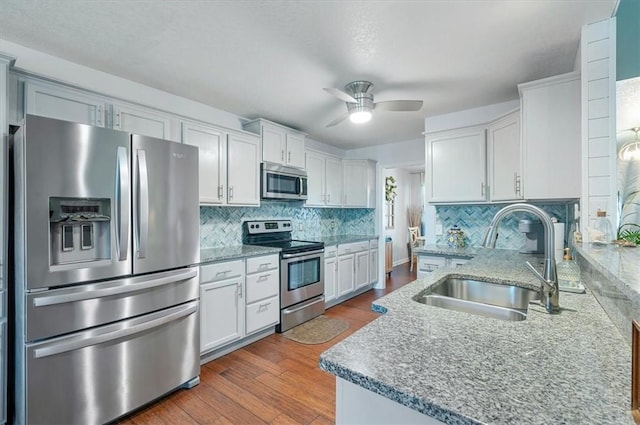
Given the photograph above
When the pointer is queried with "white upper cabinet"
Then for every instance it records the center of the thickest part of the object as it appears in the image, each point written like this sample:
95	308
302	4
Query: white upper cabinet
295	150
505	158
456	165
359	177
211	143
141	121
324	173
280	144
551	137
229	164
243	169
53	101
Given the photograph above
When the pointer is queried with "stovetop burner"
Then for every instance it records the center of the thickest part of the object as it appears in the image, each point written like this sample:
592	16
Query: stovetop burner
277	234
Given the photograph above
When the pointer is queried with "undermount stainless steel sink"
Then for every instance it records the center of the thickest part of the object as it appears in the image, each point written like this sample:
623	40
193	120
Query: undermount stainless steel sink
506	302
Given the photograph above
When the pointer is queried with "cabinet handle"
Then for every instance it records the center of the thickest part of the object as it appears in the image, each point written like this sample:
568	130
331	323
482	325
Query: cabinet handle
282	155
482	189
99	116
289	157
264	277
264	265
220	191
518	184
230	192
328	197
223	273
117	123
240	291
264	306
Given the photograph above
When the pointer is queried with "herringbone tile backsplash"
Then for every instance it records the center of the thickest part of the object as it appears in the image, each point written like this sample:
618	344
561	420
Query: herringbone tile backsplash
222	226
473	220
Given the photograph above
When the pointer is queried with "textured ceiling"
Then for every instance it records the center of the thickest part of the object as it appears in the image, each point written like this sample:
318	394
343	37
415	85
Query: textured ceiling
271	59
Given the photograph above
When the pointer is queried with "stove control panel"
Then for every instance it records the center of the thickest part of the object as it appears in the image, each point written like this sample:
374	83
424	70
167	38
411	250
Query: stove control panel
267	226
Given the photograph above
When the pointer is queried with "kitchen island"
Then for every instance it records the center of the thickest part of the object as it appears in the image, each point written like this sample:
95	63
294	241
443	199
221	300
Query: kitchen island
458	368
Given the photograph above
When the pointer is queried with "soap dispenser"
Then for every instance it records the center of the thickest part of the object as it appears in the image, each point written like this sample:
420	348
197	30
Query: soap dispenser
569	278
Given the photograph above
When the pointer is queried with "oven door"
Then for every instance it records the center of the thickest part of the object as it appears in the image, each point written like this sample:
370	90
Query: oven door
301	277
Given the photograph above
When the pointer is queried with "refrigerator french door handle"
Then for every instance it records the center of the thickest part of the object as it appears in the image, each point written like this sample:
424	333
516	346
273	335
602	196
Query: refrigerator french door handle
118	290
52	350
143	204
123	194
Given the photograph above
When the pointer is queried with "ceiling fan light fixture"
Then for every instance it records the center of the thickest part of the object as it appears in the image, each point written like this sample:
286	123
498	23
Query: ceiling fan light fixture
359	115
631	151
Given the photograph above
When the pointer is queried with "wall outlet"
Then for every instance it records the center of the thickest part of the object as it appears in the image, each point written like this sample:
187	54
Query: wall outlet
439	230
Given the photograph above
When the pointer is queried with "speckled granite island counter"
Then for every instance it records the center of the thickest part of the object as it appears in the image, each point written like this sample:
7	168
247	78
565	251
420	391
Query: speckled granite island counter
209	255
458	368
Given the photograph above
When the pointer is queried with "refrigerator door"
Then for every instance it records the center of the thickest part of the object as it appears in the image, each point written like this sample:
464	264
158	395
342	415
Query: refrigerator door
166	210
66	310
97	375
72	203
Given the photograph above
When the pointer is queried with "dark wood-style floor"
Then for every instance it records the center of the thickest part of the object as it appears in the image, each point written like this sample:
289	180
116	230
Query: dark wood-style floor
272	381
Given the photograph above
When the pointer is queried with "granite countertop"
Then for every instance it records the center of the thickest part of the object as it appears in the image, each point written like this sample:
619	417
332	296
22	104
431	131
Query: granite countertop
209	255
342	239
573	367
432	249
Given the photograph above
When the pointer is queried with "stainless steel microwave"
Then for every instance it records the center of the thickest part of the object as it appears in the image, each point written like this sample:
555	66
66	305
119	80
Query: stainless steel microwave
282	182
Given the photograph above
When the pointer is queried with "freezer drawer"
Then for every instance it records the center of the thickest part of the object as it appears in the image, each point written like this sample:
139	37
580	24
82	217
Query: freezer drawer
62	311
95	376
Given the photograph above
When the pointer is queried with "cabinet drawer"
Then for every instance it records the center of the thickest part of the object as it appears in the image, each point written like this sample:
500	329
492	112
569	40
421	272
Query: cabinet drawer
429	264
350	248
330	251
259	264
221	271
263	285
262	314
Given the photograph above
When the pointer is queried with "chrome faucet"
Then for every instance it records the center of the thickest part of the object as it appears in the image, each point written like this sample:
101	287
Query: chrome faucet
549	287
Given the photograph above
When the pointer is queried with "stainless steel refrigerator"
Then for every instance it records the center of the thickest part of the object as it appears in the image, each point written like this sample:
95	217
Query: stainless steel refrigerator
106	238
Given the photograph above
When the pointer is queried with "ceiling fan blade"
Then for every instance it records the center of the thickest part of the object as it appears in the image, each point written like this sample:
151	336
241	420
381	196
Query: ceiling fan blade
399	105
337	121
340	94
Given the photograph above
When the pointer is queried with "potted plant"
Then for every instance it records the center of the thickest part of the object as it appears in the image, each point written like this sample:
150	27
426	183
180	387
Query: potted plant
628	232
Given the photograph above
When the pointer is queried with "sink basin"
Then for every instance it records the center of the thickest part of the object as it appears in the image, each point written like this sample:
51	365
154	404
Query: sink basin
506	302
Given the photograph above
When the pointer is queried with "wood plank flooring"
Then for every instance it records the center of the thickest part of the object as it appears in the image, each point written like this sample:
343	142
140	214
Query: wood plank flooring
272	381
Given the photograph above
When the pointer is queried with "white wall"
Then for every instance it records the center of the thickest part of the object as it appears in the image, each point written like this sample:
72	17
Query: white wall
469	117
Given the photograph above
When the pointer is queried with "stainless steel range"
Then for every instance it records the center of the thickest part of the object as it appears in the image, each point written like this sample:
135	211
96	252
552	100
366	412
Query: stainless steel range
301	270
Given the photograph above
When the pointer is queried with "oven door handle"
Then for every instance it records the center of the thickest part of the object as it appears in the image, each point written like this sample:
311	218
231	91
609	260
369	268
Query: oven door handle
305	254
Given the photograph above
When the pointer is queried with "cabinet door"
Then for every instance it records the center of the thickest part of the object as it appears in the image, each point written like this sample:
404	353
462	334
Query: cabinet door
505	162
221	313
346	271
330	278
457	166
243	164
139	121
362	269
373	266
274	141
211	143
551	131
355	183
295	150
64	104
333	181
315	164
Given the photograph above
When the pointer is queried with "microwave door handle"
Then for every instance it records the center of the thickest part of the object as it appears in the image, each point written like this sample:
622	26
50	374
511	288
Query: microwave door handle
122	203
299	185
143	204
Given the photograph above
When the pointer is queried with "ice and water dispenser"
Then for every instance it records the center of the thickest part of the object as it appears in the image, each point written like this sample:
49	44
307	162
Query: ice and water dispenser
79	230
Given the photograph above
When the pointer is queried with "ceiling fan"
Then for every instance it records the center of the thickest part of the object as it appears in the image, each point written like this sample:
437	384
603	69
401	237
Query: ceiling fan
360	104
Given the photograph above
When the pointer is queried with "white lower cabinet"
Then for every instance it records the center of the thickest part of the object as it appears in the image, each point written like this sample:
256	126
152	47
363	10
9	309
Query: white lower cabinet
221	305
362	269
263	290
330	272
237	299
429	263
357	266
